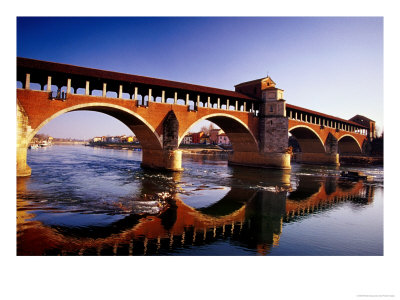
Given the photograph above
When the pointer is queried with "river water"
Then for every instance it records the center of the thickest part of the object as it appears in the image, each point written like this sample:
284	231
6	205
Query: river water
95	201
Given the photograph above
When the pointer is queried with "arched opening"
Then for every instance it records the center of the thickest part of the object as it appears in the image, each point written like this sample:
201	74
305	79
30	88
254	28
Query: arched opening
126	96
80	91
348	145
111	94
229	130
143	131
307	139
180	101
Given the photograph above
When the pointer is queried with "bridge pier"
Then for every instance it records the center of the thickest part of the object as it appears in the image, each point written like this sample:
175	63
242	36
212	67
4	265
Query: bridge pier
22	167
258	159
168	160
318	158
22	142
273	131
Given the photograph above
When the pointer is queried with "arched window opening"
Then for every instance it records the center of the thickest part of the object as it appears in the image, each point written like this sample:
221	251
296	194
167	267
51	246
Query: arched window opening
97	93
111	94
126	96
170	100
80	91
35	86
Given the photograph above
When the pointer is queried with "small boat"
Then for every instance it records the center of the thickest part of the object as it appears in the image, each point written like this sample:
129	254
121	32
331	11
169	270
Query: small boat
44	144
354	175
33	146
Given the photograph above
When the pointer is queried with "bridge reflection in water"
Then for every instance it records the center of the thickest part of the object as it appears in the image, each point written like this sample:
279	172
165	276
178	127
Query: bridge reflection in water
250	217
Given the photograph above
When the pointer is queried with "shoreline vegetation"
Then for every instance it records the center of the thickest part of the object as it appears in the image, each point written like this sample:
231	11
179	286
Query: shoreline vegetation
215	150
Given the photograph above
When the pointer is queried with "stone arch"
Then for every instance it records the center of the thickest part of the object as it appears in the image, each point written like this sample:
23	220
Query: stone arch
308	139
146	134
240	135
348	144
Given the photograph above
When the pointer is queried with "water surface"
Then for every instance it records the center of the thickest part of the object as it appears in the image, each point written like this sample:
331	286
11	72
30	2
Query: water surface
94	201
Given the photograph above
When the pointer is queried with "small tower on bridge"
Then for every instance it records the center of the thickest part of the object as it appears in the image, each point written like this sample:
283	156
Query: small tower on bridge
273	125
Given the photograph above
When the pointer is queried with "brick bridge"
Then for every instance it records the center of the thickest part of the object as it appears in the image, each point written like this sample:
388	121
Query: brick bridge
160	112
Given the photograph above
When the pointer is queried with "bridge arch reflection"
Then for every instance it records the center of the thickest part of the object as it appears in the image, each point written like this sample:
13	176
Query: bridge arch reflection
252	217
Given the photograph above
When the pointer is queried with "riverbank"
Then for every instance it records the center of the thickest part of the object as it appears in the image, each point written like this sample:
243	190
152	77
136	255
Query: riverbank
204	149
68	143
123	146
186	149
361	160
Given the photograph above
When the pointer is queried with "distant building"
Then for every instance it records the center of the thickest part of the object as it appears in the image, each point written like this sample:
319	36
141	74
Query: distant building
205	139
126	139
196	137
223	139
97	139
187	139
113	139
214	135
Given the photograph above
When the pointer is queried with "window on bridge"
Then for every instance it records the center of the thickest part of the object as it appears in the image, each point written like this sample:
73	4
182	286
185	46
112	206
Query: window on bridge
35	86
80	91
126	96
111	94
97	93
180	101
169	100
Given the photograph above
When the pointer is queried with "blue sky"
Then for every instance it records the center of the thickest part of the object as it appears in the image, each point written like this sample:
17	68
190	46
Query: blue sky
329	64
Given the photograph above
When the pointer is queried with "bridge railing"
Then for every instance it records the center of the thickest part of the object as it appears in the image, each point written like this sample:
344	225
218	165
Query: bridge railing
323	121
46	76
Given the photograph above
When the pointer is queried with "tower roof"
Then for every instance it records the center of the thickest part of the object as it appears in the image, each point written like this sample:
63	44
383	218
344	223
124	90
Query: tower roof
255	81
